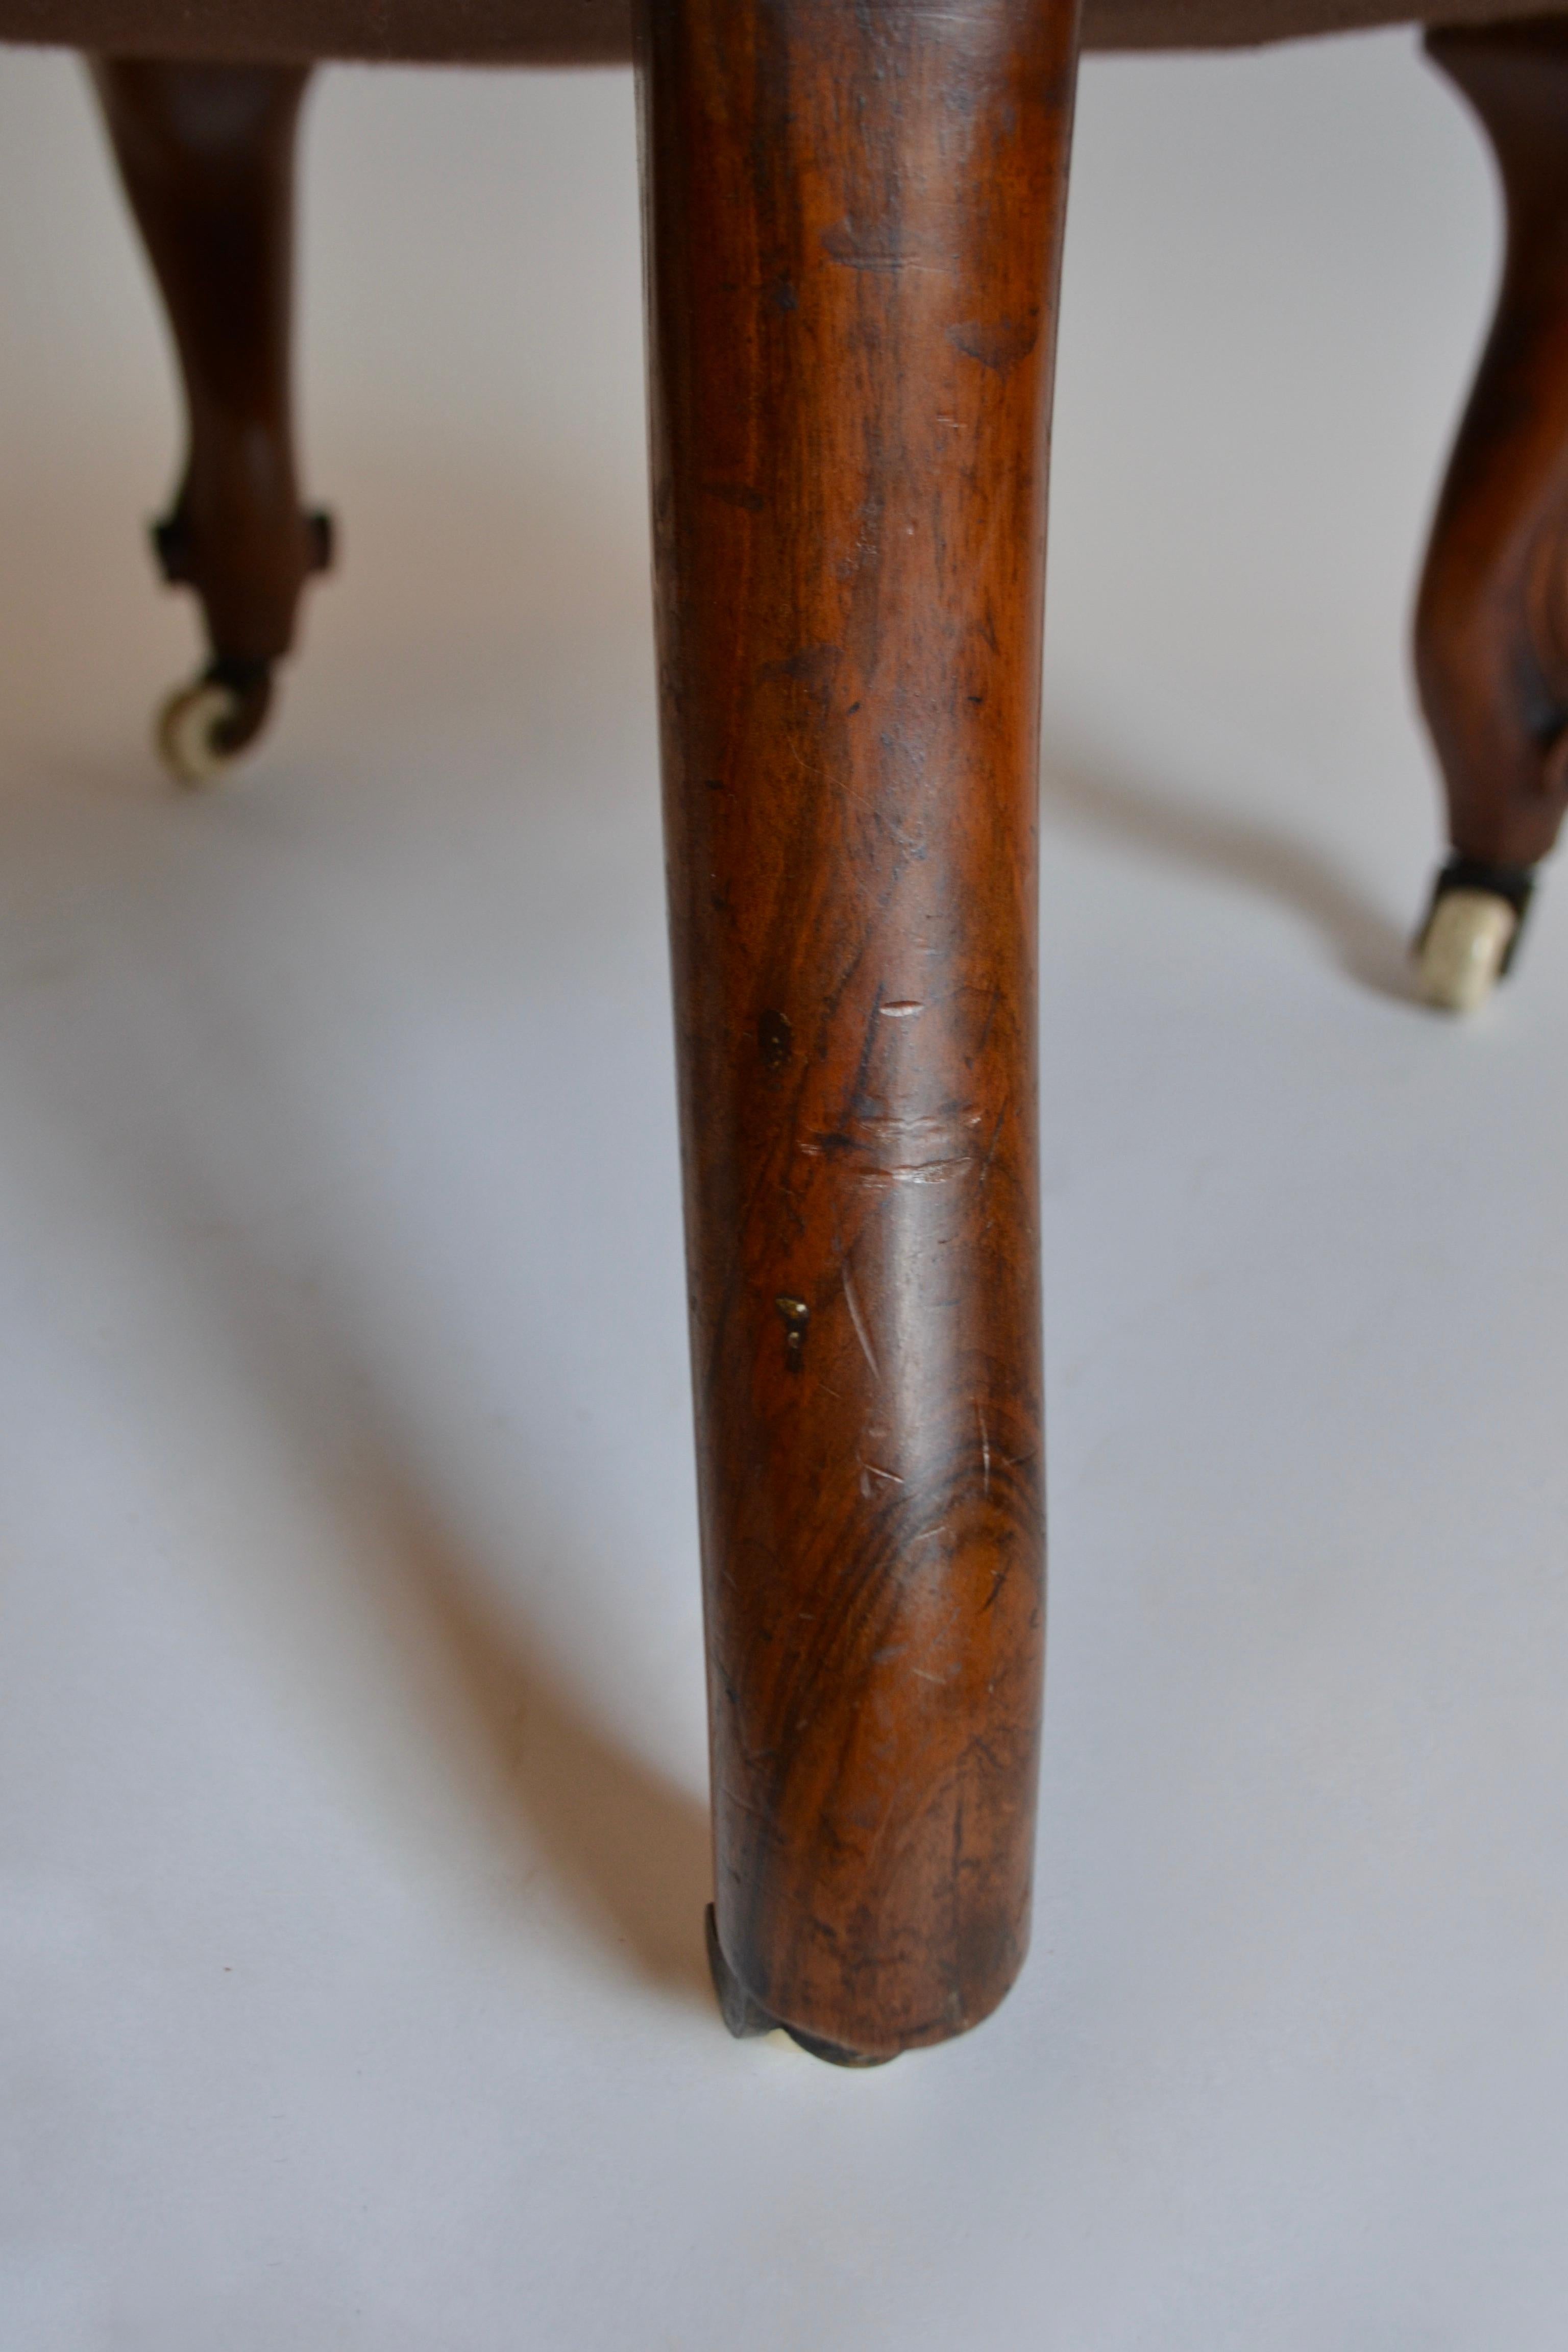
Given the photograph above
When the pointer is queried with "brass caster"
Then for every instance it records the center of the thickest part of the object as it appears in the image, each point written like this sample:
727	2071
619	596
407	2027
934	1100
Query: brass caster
1472	932
205	727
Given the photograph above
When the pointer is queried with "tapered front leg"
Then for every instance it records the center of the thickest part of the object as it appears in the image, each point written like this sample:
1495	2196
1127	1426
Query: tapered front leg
1492	639
855	214
207	155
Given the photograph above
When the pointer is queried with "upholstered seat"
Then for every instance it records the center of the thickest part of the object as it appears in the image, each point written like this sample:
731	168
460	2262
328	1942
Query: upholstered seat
599	32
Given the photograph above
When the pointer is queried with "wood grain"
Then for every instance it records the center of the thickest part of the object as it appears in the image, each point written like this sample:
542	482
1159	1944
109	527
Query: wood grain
855	211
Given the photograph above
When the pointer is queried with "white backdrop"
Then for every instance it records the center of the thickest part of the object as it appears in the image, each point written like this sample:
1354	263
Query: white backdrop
352	1842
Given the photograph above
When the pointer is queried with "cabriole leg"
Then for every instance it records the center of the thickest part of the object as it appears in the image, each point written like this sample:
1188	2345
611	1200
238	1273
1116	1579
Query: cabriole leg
207	156
855	213
1491	636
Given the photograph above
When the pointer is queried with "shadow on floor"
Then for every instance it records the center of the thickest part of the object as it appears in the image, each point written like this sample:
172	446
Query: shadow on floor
538	1770
541	1778
628	1848
1091	794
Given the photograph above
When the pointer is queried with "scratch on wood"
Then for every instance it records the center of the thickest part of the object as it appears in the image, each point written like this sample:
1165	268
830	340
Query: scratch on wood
859	1321
998	1580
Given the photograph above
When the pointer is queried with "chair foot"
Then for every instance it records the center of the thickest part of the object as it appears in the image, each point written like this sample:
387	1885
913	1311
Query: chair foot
206	157
1491	627
205	729
747	2019
1471	934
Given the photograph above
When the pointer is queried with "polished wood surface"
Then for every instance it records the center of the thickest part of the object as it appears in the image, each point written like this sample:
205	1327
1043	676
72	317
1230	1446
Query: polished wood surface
207	156
1492	620
855	214
599	32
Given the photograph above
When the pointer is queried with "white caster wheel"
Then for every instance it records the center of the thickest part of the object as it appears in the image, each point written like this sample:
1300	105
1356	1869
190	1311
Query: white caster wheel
1462	953
205	727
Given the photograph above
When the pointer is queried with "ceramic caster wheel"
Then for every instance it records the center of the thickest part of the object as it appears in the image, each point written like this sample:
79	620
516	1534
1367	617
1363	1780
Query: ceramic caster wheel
1472	932
205	727
1464	949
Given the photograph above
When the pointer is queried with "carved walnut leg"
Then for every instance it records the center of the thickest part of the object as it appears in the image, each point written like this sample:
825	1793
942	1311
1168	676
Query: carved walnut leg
207	155
1492	639
855	214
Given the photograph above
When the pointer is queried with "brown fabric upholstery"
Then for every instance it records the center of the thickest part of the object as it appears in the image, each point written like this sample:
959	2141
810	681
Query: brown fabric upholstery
598	31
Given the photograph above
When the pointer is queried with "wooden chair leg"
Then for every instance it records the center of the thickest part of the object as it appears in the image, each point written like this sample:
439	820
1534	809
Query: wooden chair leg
1492	636
855	218
207	156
